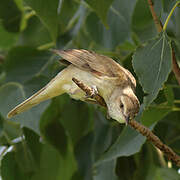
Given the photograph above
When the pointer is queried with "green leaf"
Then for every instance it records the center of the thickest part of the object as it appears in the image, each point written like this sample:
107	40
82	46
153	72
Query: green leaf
84	157
49	163
141	16
168	91
33	160
24	158
110	38
176	144
106	171
152	64
127	144
145	163
22	63
9	131
54	133
142	21
125	8
11	15
32	143
7	39
51	128
103	138
12	94
76	120
148	117
68	20
166	174
35	33
167	5
70	28
9	94
170	124
101	8
102	130
1	125
47	11
91	147
10	169
118	19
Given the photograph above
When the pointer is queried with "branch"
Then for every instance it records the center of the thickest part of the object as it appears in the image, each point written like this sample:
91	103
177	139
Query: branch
175	67
134	124
157	22
171	155
159	28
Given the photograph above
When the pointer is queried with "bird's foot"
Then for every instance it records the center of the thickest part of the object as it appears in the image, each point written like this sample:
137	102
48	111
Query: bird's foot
94	91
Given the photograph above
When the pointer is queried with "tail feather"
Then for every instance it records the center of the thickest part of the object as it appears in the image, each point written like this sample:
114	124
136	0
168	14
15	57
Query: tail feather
35	99
52	89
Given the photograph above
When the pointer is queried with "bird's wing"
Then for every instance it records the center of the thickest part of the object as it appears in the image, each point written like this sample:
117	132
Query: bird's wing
90	61
98	65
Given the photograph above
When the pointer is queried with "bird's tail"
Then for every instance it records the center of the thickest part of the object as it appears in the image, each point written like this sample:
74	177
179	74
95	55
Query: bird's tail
27	104
52	89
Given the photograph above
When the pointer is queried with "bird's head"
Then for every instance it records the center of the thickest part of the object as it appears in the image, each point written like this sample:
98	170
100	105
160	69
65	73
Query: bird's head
123	104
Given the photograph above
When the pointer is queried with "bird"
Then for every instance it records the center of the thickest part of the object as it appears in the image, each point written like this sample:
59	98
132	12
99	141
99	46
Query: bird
115	84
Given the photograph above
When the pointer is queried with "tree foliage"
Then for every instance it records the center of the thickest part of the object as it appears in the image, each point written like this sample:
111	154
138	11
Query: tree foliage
64	139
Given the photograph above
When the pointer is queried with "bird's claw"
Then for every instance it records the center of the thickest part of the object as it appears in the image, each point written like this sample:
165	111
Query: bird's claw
93	93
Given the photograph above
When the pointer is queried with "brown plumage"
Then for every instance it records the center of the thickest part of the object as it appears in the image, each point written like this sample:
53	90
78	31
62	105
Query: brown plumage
99	65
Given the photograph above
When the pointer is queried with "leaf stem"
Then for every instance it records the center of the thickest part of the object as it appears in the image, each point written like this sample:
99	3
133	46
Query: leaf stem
30	14
170	14
46	46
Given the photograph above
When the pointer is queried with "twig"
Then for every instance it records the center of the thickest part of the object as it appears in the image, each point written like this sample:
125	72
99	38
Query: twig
157	22
160	28
134	124
175	66
171	155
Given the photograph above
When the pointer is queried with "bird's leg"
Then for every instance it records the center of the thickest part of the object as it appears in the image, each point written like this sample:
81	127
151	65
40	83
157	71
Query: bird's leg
94	91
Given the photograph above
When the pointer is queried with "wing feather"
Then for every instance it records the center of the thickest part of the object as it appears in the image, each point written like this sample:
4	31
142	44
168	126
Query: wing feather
98	65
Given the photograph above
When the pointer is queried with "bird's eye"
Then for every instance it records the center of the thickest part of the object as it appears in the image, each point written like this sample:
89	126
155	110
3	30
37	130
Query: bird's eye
121	106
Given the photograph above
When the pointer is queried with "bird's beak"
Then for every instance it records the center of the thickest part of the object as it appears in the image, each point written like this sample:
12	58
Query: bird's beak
127	118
